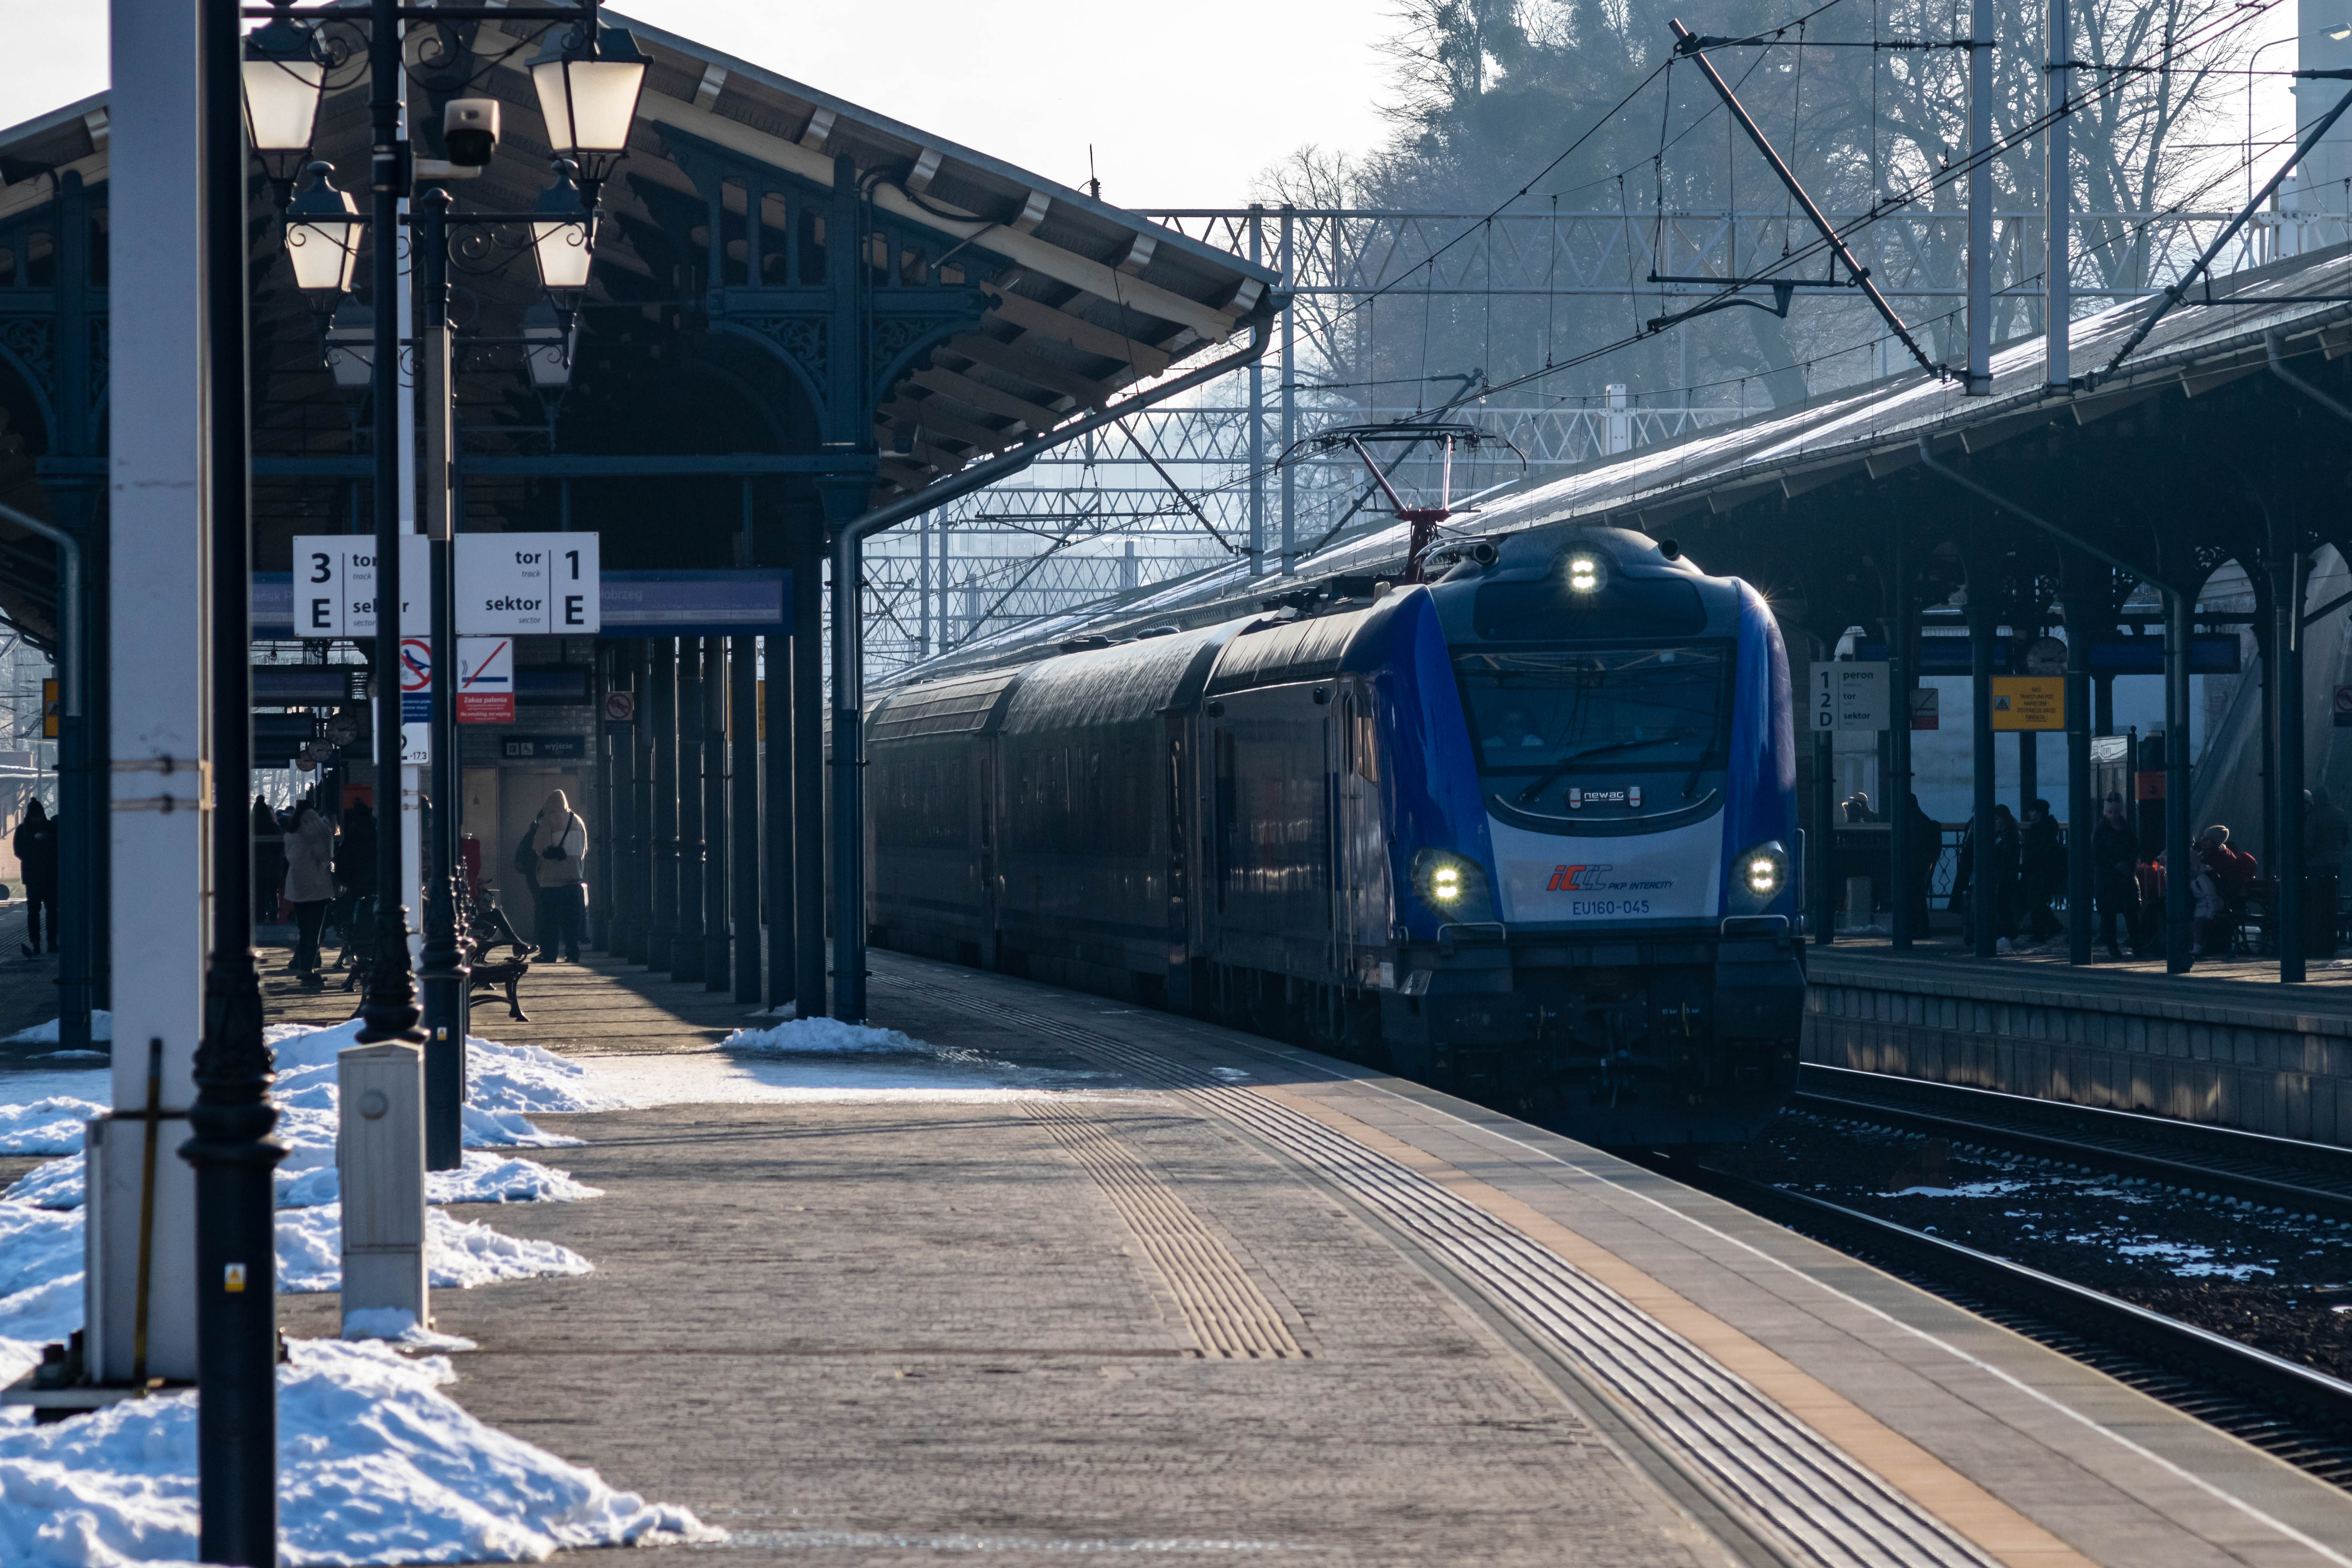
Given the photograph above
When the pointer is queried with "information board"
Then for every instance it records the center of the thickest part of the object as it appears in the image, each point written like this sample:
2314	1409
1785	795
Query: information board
2029	702
1849	695
529	584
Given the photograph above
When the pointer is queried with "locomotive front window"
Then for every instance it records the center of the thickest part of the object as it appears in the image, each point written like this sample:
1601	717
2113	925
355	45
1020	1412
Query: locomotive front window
1557	715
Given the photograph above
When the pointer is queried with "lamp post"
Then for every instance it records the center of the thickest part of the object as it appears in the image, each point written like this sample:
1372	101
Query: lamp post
232	1120
445	973
263	92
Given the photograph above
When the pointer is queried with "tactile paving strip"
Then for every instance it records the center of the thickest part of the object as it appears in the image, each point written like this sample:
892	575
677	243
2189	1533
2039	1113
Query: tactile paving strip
1230	1317
1823	1506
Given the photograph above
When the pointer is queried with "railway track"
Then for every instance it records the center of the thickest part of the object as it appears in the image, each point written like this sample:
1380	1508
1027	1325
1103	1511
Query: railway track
2299	1415
2314	1179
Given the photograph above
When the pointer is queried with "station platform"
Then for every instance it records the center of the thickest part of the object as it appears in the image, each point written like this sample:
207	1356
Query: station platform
1174	1289
2225	1044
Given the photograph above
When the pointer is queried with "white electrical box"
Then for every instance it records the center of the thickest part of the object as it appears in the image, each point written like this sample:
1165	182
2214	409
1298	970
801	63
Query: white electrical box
380	1157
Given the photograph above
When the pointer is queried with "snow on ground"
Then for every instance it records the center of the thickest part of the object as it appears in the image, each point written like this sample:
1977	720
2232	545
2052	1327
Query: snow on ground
40	1283
458	1253
811	1036
726	1078
101	1027
51	1125
377	1466
398	1326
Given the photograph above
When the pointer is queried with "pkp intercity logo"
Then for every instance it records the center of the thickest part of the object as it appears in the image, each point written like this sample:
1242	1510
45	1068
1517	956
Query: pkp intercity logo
1576	879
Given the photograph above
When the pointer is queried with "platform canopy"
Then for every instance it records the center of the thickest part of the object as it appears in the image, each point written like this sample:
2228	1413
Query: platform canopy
727	354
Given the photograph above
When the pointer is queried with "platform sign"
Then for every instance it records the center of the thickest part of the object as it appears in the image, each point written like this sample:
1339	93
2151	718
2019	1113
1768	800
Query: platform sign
1849	695
529	584
335	584
1927	708
620	707
486	680
2342	707
2029	702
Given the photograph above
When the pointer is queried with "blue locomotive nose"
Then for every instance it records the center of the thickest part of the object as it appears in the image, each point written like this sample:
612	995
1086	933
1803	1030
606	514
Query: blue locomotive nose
1523	831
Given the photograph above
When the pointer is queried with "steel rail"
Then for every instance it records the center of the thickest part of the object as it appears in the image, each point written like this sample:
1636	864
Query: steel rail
2252	1166
2267	1387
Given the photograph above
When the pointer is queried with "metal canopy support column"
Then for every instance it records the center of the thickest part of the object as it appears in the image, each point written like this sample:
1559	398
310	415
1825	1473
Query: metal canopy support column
1983	900
717	828
640	869
1902	855
808	773
2177	873
624	832
1824	846
664	935
2082	811
2285	561
776	801
685	950
743	812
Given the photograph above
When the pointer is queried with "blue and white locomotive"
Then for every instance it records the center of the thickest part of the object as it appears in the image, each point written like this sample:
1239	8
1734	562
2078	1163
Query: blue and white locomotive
1526	832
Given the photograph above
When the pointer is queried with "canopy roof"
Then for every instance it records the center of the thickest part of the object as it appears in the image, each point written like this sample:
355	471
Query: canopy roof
1855	437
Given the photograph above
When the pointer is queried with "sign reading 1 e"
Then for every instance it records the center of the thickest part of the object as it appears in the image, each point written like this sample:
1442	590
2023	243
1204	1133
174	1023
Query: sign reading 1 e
529	584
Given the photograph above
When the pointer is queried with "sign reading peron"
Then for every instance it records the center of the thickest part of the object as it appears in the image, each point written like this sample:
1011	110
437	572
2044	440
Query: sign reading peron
1849	695
529	584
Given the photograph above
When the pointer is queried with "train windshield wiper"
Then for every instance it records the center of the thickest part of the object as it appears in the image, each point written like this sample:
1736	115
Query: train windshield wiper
1527	795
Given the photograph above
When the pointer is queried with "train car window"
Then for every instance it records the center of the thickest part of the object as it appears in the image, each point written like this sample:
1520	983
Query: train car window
1548	611
1558	715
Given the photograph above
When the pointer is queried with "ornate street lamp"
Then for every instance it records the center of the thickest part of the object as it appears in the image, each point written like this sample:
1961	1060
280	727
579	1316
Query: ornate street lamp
562	237
547	347
350	350
284	77
588	82
322	238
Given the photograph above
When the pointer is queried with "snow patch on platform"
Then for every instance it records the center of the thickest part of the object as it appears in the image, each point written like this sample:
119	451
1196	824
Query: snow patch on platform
377	1466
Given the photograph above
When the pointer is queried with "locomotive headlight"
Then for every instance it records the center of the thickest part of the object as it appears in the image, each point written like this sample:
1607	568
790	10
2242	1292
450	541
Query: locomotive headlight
1763	871
1585	573
1452	884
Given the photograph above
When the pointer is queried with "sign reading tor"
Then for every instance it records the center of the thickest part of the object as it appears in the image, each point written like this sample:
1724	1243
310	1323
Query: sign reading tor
529	584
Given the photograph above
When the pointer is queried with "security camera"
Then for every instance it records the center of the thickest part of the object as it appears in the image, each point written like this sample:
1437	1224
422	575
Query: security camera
470	128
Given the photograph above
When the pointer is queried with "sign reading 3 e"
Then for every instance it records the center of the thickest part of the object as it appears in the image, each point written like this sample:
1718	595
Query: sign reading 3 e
529	584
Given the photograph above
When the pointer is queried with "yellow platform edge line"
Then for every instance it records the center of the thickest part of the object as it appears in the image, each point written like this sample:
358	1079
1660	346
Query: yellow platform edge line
1991	1524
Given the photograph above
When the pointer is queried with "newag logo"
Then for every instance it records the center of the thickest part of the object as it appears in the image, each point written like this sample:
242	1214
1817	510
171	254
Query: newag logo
1576	879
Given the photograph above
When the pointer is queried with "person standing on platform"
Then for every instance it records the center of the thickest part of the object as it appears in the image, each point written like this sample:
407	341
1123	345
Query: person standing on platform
2042	858
561	842
37	857
2114	872
268	862
2327	834
1927	848
310	885
354	874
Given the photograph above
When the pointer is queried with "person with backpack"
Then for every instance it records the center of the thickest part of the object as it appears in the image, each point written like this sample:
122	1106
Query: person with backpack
37	857
558	844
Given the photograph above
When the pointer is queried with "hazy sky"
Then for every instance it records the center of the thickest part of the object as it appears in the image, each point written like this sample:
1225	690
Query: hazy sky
1183	103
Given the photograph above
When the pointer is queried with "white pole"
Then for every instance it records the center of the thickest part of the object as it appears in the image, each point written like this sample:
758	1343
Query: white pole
159	721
